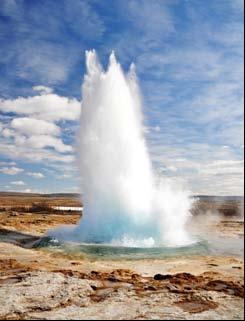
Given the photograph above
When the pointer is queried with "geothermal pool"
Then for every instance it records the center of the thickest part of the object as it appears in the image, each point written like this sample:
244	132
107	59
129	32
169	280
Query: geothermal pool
107	251
205	246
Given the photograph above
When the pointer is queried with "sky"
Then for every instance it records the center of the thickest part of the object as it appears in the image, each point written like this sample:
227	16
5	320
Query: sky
189	62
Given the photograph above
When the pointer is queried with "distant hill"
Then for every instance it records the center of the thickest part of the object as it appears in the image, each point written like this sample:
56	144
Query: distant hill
62	195
219	198
16	194
17	199
52	195
77	195
227	205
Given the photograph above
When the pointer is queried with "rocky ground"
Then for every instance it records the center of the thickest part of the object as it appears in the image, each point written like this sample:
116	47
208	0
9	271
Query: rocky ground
40	284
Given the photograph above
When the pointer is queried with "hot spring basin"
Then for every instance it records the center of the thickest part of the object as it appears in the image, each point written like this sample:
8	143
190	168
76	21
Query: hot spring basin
105	251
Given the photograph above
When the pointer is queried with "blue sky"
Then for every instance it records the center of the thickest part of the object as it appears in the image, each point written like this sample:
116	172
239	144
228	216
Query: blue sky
189	61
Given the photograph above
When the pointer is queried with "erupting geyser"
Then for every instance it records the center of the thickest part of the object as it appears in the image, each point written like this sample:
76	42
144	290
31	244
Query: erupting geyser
124	203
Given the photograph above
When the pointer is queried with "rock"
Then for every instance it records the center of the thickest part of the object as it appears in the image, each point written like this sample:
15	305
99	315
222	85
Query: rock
13	213
150	288
160	277
42	291
196	304
232	288
112	278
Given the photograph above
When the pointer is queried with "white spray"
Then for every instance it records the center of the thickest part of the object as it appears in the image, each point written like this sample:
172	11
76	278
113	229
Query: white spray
124	203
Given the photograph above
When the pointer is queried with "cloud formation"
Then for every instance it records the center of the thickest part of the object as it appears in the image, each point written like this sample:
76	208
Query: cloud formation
35	175
47	106
18	183
32	126
11	170
34	132
189	60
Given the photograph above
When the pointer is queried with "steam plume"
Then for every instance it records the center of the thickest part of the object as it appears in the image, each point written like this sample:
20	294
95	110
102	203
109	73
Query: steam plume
124	203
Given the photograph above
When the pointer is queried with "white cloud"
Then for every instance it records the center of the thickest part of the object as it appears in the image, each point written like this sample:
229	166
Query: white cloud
11	170
4	163
151	17
64	176
37	136
83	19
225	167
192	82
43	89
8	133
28	190
34	155
172	168
205	169
31	126
35	175
42	141
48	62
18	183
49	107
195	92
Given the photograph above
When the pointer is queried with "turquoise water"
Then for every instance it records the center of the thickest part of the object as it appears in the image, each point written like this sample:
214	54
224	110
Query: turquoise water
102	251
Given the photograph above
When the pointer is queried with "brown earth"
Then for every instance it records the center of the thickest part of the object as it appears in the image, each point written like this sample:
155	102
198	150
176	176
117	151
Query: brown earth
36	223
8	200
45	284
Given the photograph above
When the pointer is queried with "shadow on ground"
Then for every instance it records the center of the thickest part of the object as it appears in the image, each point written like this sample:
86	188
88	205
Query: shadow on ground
17	238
